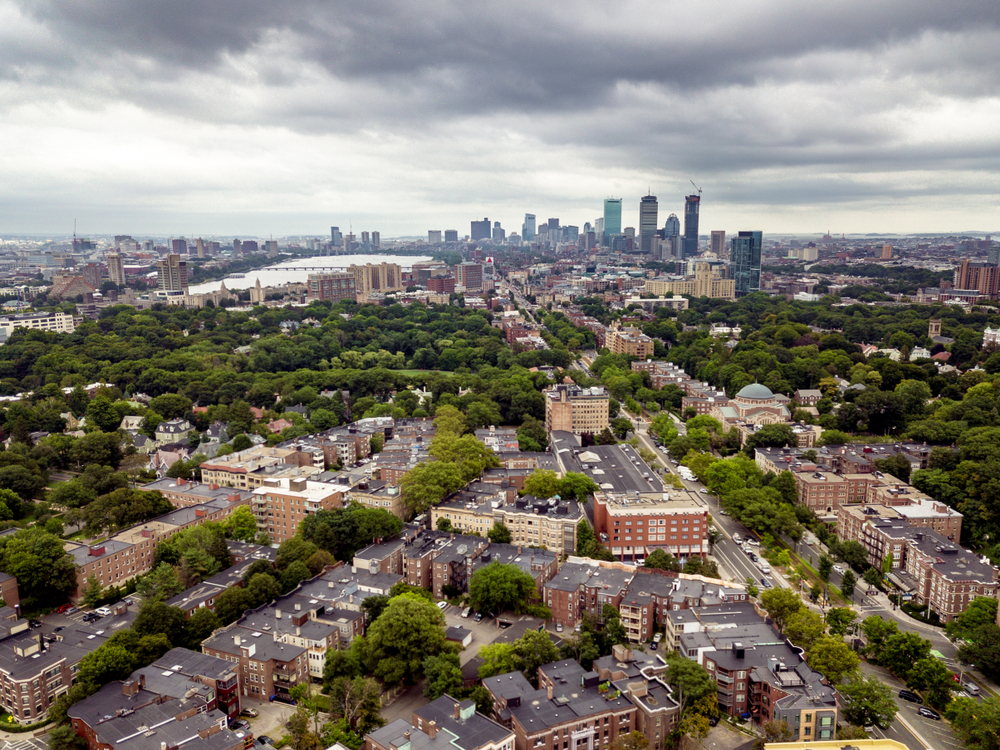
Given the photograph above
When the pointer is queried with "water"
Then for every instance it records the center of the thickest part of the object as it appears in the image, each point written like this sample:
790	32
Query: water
298	270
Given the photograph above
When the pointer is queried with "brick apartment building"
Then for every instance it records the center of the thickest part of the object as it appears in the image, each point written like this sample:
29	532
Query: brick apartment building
581	411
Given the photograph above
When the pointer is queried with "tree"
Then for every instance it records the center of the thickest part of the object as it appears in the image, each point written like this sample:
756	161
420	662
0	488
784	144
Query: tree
847	583
689	681
64	737
404	635
662	560
357	701
832	658
977	723
499	534
45	572
241	524
983	650
426	484
543	484
804	628
200	626
933	680
774	732
92	591
877	632
825	567
873	577
156	617
535	649
231	604
442	674
576	486
981	611
780	605
498	658
840	620
632	741
241	443
902	650
123	508
497	587
868	701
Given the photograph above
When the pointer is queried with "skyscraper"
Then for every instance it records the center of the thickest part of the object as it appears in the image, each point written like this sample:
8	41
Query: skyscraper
745	262
451	235
433	236
499	235
612	218
691	206
336	238
718	243
481	230
647	223
528	227
116	269
171	274
672	228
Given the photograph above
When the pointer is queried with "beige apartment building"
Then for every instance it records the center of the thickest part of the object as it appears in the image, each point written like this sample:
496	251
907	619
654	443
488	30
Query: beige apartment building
570	408
630	341
706	282
252	468
377	277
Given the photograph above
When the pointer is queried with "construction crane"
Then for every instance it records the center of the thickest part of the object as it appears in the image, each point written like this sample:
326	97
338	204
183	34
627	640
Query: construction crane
696	187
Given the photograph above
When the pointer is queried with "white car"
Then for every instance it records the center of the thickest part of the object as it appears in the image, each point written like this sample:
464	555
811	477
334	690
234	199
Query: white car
442	605
104	612
838	569
737	538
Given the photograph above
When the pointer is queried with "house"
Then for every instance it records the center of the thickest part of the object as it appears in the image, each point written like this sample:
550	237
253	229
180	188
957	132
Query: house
130	423
808	396
173	431
279	425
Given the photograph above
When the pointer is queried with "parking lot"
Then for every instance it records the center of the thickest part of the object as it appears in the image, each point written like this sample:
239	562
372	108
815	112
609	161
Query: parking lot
483	632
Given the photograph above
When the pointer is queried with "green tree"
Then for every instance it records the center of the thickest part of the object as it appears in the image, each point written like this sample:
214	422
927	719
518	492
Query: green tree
832	658
804	628
241	443
45	572
688	680
498	658
933	680
92	591
634	740
543	484
497	587
427	484
535	649
840	620
825	567
847	583
576	486
981	611
977	723
663	560
499	534
241	524
868	701
404	635
442	674
358	702
780	605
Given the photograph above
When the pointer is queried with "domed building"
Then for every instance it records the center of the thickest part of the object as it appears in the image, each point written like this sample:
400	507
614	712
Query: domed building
754	404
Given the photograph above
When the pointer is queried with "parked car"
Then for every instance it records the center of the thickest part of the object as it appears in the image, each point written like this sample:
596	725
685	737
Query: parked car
737	538
128	602
252	713
239	724
653	646
62	628
62	608
442	605
103	612
91	617
479	617
929	713
657	637
34	623
466	612
906	695
265	740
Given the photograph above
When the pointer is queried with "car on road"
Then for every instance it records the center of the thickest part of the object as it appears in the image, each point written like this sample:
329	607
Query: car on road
737	538
723	513
34	623
753	557
838	569
653	646
442	605
765	584
906	695
929	713
765	568
971	688
103	612
251	713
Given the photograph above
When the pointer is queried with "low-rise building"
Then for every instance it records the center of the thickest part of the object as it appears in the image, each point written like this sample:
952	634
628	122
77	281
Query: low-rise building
442	724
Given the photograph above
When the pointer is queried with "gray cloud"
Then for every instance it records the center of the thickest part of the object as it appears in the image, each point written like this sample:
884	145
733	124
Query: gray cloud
451	107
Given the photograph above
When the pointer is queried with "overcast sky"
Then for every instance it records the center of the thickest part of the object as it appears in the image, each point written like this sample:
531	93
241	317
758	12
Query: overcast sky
261	117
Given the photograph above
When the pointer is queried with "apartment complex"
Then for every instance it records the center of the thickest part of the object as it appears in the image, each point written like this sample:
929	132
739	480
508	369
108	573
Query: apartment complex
630	341
759	672
707	281
116	269
280	505
376	277
252	468
171	274
183	493
470	276
581	411
331	286
47	321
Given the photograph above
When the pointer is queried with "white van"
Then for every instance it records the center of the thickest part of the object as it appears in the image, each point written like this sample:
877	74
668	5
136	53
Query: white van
765	568
971	688
737	538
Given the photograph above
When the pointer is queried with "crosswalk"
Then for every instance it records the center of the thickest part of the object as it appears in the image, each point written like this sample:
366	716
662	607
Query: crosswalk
28	743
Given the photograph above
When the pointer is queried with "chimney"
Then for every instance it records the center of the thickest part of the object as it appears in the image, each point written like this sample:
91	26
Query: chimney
277	614
236	640
406	734
457	710
163	746
142	680
550	693
432	729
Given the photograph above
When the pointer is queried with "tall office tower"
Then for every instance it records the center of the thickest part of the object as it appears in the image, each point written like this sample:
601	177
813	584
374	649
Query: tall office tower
116	269
886	252
744	265
212	248
647	223
171	274
481	230
982	277
599	228
336	238
451	235
691	205
718	243
469	275
993	255
237	247
587	227
366	240
148	246
377	240
528	227
201	248
499	235
612	218
272	248
672	227
179	247
250	247
434	236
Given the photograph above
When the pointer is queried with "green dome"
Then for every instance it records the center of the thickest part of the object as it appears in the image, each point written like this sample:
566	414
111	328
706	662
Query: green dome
755	390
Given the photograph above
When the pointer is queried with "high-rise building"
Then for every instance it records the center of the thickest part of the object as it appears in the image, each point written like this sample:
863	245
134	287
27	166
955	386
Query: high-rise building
612	218
201	248
336	238
250	247
575	409
366	240
469	275
272	248
647	223
451	235
691	205
981	277
237	247
179	247
886	252
171	274
718	246
377	277
672	227
481	230
528	227
434	236
745	262
116	269
377	240
499	235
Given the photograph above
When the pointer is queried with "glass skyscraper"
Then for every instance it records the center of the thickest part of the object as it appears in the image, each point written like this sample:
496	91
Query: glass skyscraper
690	244
647	223
528	228
745	262
673	227
612	217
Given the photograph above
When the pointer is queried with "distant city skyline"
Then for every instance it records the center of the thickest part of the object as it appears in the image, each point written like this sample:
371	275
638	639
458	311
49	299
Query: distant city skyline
853	117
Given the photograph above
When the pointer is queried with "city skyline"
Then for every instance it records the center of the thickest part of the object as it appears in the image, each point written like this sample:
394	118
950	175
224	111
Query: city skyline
853	118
